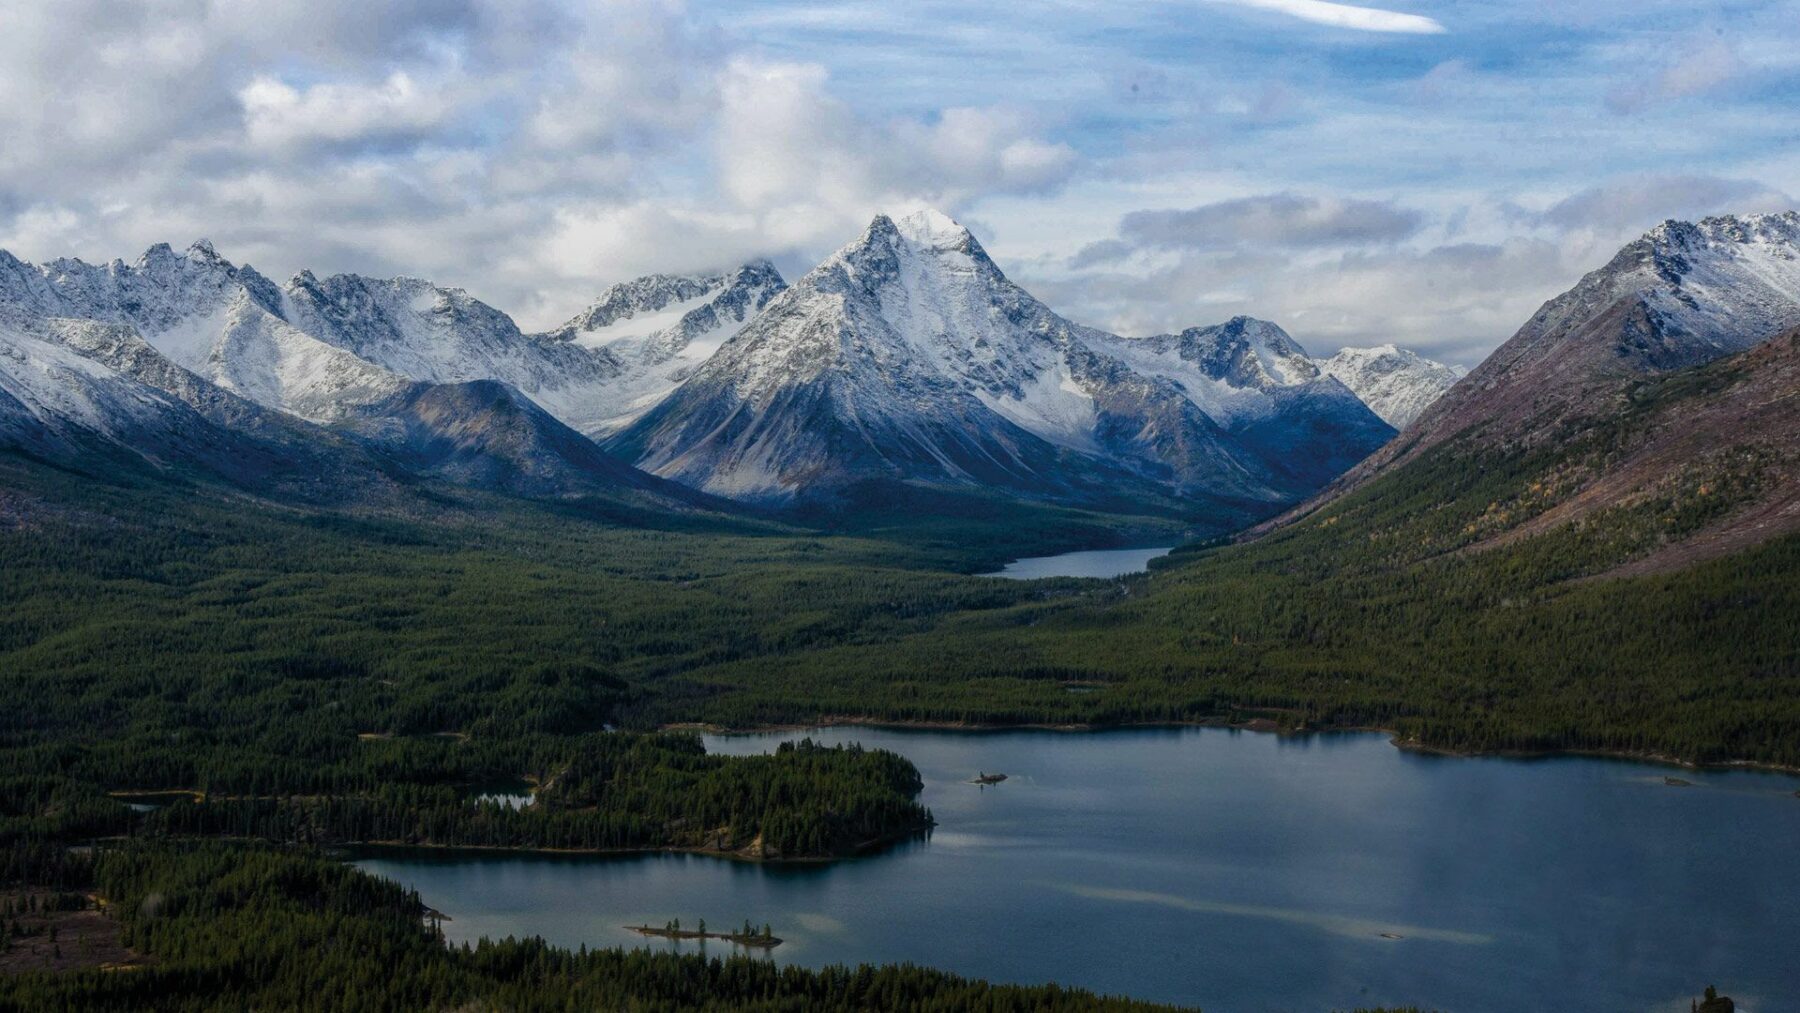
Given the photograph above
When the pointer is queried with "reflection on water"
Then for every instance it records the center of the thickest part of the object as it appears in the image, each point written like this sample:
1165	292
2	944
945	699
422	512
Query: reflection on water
1236	871
1356	928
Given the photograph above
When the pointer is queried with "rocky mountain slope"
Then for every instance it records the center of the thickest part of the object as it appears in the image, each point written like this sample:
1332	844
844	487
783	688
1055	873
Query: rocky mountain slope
1681	295
1708	454
909	356
484	433
1652	408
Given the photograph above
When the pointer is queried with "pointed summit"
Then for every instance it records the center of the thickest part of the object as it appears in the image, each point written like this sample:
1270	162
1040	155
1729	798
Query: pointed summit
926	231
202	252
934	230
158	253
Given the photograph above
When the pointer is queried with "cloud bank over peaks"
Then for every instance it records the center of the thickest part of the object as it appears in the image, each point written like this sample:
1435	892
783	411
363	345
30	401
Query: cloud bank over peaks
1286	221
530	152
1448	281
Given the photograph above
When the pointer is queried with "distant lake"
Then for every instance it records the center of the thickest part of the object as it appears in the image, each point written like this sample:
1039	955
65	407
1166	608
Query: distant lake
1240	871
1102	563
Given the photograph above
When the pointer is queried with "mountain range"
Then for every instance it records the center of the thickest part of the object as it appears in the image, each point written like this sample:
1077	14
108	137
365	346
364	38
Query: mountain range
907	356
906	359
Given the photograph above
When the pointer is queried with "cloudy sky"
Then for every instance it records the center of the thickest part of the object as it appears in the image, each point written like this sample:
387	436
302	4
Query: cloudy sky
1426	172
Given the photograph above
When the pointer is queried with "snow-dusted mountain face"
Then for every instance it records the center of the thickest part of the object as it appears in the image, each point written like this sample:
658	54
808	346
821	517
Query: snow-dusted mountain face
1681	295
53	399
1229	369
206	315
909	356
1256	382
324	349
96	398
594	374
1396	384
190	364
1706	290
655	331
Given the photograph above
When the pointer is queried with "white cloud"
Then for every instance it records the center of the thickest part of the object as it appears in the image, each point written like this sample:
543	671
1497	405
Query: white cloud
279	115
620	240
783	141
626	71
1448	278
990	148
809	167
1450	301
1362	19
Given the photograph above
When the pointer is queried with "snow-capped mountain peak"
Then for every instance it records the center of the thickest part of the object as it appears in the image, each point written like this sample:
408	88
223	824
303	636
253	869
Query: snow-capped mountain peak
923	237
202	252
933	230
908	354
205	314
1682	294
1247	352
1397	384
1234	371
1706	288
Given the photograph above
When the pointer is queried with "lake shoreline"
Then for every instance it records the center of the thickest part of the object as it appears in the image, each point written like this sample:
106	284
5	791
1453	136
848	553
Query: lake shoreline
858	850
1031	564
1261	725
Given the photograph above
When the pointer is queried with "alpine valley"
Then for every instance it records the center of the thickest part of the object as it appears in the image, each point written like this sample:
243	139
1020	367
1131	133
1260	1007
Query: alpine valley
293	573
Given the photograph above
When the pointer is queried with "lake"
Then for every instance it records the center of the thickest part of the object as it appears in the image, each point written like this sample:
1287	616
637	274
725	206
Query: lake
1240	871
1102	563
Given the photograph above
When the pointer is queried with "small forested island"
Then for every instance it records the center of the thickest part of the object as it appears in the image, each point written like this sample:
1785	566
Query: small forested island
615	791
987	778
748	935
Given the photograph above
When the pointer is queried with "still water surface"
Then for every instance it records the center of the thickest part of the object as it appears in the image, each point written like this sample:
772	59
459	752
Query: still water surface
1241	871
1102	563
